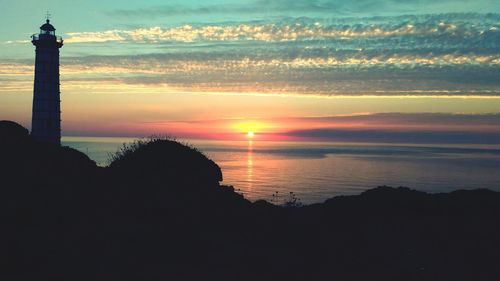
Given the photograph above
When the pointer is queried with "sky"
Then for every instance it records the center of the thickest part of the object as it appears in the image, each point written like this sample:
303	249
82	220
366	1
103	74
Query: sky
368	70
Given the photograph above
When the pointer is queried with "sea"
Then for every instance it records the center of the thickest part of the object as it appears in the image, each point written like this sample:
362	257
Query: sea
311	172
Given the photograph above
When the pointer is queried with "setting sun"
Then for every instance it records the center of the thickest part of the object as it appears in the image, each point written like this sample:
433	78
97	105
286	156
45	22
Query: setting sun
250	128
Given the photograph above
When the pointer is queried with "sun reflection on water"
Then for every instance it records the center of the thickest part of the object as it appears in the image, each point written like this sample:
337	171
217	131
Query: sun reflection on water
250	165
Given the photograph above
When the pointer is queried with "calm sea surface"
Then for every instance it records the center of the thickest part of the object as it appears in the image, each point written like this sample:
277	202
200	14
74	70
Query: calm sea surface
317	171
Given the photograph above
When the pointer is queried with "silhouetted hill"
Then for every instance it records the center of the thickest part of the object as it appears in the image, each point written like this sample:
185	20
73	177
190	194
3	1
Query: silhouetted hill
158	213
168	160
11	132
34	173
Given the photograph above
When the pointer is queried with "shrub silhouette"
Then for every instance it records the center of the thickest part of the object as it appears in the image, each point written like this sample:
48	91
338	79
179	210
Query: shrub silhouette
162	159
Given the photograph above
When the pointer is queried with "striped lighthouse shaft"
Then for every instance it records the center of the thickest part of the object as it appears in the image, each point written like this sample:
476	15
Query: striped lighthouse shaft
46	118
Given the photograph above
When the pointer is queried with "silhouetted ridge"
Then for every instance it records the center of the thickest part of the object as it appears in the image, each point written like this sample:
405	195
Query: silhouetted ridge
165	159
22	156
12	132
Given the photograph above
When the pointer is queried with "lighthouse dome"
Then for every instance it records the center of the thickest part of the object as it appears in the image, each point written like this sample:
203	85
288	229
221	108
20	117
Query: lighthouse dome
47	27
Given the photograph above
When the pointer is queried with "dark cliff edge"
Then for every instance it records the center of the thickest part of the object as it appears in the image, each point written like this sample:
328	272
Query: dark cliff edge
158	212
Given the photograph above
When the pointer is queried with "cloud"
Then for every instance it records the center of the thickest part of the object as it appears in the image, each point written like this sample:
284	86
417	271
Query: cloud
405	128
438	121
305	7
388	136
382	127
450	54
251	7
452	75
424	55
445	28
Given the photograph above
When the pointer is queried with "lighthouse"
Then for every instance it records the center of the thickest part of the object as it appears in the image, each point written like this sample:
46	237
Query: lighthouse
46	117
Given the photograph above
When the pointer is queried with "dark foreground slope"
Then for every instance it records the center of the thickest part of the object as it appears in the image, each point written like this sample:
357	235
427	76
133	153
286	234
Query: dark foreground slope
158	213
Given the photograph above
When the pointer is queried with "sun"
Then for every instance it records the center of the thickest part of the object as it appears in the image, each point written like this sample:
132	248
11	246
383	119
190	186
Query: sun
250	134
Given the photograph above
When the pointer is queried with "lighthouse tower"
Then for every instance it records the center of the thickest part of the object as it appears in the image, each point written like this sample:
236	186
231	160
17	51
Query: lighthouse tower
46	118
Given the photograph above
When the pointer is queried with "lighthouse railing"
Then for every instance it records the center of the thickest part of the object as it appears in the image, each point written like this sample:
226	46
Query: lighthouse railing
36	37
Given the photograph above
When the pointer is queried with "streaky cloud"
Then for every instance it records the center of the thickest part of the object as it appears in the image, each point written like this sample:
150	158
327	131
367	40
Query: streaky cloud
390	136
418	55
448	28
404	127
285	7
